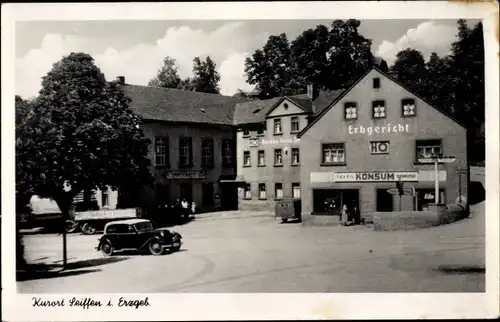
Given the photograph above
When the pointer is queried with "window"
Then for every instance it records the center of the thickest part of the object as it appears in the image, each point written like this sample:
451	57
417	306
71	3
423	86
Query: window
185	152
350	111
296	190
408	107
207	153
262	158
248	191
278	157
105	198
278	191
246	159
333	153
260	131
295	124
262	191
295	156
426	148
227	153
277	126
376	83
118	229
378	108
161	151
379	147
246	132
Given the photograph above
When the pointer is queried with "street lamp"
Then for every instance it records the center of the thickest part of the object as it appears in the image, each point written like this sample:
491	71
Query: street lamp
436	159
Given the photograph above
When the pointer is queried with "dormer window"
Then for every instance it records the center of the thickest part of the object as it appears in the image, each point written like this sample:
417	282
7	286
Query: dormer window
379	111
277	126
408	107
350	111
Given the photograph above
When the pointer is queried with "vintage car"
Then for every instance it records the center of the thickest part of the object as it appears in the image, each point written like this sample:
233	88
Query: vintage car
137	235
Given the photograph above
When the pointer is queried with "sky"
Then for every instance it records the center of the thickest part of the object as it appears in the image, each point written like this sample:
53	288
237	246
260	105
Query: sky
135	49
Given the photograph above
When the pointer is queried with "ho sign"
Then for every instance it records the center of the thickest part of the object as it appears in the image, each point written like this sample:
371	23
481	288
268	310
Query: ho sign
379	147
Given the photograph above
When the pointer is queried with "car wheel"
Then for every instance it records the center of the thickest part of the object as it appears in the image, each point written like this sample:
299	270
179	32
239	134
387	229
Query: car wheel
71	226
284	220
155	248
177	248
88	229
107	248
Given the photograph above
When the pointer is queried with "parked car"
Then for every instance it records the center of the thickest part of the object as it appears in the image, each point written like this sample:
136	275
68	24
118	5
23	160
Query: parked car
137	235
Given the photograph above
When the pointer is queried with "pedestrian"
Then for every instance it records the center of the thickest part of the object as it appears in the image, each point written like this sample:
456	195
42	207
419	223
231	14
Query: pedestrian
185	208
193	208
344	216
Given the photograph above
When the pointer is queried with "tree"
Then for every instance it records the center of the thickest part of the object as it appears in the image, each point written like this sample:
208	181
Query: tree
411	69
206	78
167	75
81	135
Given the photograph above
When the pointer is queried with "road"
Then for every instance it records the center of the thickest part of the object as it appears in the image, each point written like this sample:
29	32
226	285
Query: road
258	254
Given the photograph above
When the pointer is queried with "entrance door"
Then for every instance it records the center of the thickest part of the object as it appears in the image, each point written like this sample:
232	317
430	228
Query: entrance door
187	191
208	194
384	200
229	196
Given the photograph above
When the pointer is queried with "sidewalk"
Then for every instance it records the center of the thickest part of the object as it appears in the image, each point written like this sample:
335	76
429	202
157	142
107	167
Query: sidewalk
234	214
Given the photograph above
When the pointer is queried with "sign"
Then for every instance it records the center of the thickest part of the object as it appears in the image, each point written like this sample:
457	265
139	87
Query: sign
385	129
379	147
185	175
280	141
377	176
253	142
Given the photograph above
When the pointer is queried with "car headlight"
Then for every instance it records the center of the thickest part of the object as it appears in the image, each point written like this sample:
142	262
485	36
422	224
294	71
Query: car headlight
162	233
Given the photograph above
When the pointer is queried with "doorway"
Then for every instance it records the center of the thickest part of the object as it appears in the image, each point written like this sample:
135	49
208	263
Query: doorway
384	200
228	196
208	194
187	191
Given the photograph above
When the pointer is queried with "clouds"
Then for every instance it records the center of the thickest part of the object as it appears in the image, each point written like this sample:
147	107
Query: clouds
427	37
227	45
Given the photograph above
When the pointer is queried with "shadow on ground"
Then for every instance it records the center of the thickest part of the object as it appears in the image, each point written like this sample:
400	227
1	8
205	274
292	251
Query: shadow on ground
461	269
34	275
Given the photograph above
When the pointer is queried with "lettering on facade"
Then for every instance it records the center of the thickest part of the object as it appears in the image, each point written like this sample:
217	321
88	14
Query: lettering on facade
185	175
375	176
386	129
280	141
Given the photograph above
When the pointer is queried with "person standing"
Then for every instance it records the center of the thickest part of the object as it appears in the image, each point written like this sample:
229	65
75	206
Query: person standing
344	215
193	208
185	207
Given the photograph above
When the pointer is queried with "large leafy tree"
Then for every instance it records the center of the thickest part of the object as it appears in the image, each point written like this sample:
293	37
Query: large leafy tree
411	69
167	75
206	78
80	135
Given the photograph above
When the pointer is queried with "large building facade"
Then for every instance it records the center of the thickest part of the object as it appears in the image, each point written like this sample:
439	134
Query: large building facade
372	136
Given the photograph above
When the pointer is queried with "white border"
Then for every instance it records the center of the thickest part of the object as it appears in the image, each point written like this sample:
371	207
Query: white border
17	307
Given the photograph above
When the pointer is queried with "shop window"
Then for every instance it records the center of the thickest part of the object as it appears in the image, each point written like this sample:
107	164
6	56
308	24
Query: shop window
295	156
246	133
295	124
350	111
379	147
278	157
185	152
278	191
376	83
333	153
207	153
428	148
227	153
262	191
246	159
296	190
408	107
379	109
277	126
262	158
248	191
161	151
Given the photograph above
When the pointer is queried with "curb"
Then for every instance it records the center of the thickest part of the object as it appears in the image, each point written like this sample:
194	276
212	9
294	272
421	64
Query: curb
222	217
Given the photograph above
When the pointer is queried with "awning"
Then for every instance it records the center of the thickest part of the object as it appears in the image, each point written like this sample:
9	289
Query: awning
231	179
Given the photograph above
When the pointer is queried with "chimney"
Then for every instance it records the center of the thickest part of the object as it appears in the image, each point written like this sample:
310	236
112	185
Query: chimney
310	91
120	80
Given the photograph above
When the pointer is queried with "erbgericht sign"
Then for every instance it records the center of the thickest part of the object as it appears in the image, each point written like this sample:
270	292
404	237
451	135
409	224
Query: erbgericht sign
376	176
185	175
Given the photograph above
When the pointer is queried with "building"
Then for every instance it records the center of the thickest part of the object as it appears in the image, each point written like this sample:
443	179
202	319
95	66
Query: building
369	138
193	144
269	155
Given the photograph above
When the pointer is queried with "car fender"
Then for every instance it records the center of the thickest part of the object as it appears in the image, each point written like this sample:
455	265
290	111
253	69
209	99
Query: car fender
149	241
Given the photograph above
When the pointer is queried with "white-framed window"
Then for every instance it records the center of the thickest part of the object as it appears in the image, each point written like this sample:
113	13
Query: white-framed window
408	107
278	191
295	126
262	191
350	111
248	191
262	158
277	126
185	152
428	148
161	151
379	109
207	153
246	159
333	153
295	156
296	190
227	153
278	157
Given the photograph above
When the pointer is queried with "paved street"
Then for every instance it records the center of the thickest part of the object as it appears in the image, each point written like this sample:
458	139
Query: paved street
258	254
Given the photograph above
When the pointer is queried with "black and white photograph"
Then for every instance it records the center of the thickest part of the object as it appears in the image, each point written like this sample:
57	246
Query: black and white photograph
336	152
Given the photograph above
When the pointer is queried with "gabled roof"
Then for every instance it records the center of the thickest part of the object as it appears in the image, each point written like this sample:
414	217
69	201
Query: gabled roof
344	93
173	105
304	104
